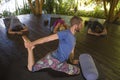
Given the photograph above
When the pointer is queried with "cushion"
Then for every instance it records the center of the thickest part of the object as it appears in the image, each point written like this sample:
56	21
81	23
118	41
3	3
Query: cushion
88	67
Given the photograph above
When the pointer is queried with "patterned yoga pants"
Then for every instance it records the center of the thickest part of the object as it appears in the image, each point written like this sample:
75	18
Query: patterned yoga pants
50	62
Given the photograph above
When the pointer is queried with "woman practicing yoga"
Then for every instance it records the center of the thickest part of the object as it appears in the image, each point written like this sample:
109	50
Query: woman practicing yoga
95	28
16	27
59	25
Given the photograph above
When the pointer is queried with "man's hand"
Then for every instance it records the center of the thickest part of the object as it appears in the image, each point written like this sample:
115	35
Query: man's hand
27	43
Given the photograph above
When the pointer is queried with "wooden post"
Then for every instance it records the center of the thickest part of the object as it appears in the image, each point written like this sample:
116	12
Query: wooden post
31	6
37	7
41	4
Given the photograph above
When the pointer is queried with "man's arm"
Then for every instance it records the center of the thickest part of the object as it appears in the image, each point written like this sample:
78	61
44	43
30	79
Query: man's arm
25	28
13	32
104	32
45	39
71	57
92	33
97	34
10	31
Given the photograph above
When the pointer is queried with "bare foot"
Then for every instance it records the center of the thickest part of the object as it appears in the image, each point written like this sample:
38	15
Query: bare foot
27	43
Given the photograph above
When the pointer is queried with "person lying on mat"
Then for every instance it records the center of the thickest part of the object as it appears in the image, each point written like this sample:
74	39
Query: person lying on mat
59	25
56	60
96	28
18	29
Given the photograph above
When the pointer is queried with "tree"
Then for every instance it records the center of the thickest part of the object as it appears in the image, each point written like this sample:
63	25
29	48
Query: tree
50	6
37	7
112	14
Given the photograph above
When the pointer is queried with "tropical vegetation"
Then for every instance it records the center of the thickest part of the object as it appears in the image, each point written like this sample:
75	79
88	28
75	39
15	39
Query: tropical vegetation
107	9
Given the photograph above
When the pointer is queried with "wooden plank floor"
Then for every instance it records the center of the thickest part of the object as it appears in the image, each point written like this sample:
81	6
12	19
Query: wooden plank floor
13	55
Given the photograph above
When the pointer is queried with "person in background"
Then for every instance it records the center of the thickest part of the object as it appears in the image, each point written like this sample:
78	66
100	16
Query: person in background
18	29
94	27
59	25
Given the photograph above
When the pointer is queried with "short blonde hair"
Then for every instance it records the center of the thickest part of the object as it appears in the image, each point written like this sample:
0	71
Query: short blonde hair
75	20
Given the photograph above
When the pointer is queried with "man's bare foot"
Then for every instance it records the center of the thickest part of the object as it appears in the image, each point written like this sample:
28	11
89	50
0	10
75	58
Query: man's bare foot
27	43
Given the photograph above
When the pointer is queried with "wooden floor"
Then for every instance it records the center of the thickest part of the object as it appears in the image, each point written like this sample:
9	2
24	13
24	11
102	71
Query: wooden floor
13	56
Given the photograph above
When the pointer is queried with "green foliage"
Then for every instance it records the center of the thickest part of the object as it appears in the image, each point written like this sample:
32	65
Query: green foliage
49	6
58	6
24	10
96	14
6	13
63	7
118	6
67	8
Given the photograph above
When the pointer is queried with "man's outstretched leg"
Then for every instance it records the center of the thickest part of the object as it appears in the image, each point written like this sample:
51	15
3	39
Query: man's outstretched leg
30	53
45	62
67	68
